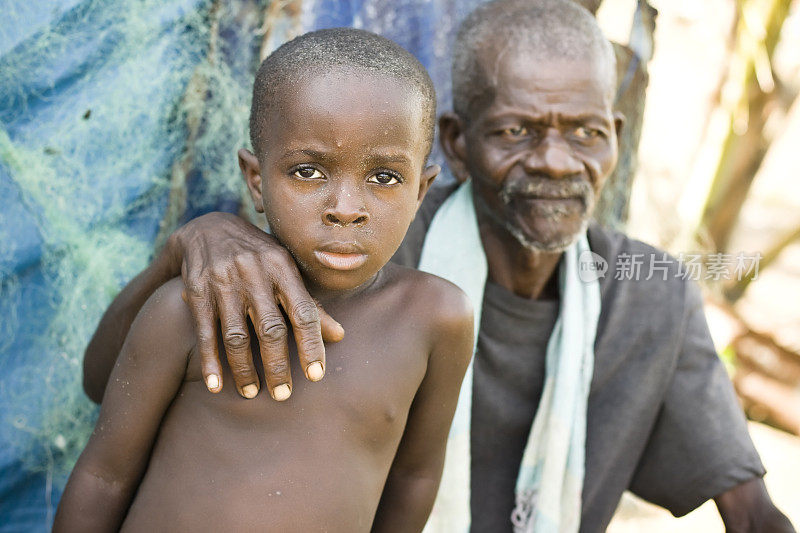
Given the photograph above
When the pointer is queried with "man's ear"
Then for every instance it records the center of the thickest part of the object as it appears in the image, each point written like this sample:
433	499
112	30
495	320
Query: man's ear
451	139
619	122
425	181
251	170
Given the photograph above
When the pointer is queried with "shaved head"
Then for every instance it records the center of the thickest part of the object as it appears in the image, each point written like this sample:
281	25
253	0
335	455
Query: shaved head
344	49
545	30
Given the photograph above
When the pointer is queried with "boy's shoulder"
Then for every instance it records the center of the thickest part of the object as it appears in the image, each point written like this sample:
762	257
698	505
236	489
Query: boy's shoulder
443	304
165	318
439	312
167	301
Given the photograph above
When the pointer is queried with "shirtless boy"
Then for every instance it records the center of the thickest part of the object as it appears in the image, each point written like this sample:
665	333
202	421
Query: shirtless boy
342	123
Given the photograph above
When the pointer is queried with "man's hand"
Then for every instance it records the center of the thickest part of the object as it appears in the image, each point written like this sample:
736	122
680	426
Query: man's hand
748	508
232	270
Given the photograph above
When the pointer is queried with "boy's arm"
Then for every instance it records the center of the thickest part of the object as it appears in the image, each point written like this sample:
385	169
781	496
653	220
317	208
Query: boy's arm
230	267
413	479
106	343
146	378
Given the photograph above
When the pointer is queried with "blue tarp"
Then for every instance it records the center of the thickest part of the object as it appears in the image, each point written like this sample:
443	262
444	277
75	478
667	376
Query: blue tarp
95	112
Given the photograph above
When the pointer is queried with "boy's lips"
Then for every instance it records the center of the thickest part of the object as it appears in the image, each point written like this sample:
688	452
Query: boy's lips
340	256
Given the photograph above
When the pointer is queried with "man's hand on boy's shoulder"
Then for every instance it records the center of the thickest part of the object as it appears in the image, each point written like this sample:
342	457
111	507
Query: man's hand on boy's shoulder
233	270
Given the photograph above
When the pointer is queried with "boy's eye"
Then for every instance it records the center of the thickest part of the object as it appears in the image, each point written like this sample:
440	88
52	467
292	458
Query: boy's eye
308	173
384	178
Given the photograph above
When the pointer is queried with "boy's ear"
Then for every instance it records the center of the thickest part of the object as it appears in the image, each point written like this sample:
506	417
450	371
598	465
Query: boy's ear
251	170
425	180
451	139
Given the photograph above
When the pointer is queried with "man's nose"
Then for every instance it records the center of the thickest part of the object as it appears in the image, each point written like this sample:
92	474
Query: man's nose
345	207
553	157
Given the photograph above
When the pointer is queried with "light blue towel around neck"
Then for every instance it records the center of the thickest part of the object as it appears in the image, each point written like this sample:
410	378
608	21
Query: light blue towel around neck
550	480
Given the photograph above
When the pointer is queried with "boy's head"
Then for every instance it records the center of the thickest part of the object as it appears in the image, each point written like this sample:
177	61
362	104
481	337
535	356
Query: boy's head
341	124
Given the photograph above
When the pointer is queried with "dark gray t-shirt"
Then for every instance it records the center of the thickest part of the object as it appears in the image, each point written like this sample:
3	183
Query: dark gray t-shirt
663	420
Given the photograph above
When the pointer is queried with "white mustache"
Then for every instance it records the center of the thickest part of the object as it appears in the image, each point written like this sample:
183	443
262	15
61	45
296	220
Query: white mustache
538	187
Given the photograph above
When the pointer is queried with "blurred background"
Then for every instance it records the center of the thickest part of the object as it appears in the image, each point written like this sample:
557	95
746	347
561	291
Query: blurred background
717	178
119	121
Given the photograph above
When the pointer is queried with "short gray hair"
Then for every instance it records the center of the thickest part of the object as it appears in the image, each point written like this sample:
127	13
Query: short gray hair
558	29
337	48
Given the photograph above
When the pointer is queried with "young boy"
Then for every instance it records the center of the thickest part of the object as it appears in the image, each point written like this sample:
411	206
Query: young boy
342	123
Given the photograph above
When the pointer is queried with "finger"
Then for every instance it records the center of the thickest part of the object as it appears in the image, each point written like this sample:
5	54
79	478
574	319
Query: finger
198	298
236	339
332	331
273	339
305	318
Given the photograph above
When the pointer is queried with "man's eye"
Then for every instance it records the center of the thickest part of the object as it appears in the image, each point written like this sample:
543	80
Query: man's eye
384	178
308	173
583	133
515	131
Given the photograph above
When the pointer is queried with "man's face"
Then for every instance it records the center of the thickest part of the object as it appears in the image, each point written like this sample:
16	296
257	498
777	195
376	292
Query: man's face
541	150
341	173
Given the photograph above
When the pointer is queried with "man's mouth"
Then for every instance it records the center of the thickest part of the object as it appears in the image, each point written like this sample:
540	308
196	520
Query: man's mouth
540	188
551	205
545	197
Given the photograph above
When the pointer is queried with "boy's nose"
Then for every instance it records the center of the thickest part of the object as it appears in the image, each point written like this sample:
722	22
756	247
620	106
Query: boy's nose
346	209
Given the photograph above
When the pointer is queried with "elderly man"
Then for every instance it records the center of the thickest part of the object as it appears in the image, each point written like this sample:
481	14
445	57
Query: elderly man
581	387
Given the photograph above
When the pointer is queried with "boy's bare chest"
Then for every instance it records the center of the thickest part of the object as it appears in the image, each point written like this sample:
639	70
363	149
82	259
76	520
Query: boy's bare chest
332	442
370	381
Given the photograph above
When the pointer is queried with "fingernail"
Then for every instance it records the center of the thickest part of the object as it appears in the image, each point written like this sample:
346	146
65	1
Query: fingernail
212	382
250	391
281	392
314	371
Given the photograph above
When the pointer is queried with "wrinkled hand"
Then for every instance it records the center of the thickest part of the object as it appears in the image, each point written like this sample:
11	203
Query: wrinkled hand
232	270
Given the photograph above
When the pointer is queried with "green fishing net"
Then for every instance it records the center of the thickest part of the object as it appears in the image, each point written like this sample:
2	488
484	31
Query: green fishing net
118	122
